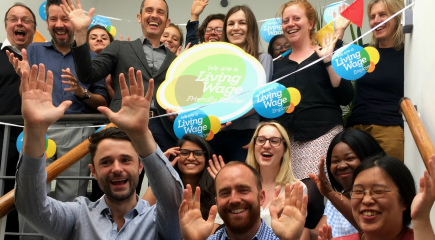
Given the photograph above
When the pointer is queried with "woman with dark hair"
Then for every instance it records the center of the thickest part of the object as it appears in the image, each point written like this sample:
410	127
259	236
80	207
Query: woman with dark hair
277	46
98	38
318	117
382	193
347	150
191	162
241	29
210	29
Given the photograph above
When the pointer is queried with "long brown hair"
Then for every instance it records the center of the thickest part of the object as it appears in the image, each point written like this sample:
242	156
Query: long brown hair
252	39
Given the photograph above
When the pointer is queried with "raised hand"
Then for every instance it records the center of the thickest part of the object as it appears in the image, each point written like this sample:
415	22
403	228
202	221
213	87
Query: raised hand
192	225
197	8
185	48
325	233
134	114
38	110
73	83
171	117
215	165
18	65
174	152
290	224
78	19
423	201
341	23
278	201
122	39
321	181
328	44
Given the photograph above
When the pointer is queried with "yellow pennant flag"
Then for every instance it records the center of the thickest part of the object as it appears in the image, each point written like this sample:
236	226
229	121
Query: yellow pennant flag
329	28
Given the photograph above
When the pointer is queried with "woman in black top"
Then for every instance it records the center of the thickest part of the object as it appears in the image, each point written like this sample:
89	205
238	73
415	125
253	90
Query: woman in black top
317	118
376	109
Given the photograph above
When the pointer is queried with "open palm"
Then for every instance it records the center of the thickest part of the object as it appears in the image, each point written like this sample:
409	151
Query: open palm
77	16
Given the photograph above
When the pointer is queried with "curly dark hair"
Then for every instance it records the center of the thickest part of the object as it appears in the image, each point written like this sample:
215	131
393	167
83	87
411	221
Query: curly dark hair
200	32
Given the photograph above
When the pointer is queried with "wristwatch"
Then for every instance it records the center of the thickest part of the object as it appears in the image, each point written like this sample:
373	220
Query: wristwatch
87	95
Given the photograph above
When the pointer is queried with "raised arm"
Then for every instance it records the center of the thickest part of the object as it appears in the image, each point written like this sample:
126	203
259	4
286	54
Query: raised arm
50	217
422	204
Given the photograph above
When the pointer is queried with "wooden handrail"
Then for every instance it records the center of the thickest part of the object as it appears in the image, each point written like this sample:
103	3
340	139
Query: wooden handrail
421	138
7	203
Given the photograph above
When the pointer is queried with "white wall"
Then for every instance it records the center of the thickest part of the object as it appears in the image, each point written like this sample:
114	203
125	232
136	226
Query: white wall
419	82
179	12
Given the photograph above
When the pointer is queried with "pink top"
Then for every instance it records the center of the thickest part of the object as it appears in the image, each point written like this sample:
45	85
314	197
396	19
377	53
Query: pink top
409	235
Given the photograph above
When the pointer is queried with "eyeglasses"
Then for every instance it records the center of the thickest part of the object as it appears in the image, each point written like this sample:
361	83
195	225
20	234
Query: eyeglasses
196	153
377	192
23	20
217	30
273	141
278	48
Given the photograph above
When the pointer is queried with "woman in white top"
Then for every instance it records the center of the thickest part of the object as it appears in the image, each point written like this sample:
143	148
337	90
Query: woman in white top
269	154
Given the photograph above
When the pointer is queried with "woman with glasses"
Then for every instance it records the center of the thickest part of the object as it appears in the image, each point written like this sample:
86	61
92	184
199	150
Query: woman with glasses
241	29
269	154
191	162
346	152
277	46
381	196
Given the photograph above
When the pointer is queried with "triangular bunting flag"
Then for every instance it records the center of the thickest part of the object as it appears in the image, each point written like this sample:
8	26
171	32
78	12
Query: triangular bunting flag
38	37
328	28
355	12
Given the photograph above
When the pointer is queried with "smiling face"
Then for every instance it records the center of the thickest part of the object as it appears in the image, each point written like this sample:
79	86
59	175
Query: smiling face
214	36
98	40
191	165
59	26
153	18
171	38
343	163
381	216
117	169
238	199
295	24
384	33
20	34
268	155
237	28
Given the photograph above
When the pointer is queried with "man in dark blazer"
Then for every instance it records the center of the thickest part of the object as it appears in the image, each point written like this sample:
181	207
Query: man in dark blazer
146	54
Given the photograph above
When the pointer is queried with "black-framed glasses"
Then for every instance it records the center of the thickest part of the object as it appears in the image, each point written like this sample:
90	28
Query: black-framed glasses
196	153
278	48
23	20
217	30
377	192
273	141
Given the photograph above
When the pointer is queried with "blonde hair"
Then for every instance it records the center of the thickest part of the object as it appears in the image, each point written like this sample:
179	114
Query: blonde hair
285	174
391	6
310	13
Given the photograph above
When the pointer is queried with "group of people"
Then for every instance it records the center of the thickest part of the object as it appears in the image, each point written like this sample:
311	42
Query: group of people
86	73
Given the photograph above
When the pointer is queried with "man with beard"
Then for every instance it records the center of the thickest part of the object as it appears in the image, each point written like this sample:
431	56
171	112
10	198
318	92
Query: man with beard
56	56
20	26
119	214
239	196
146	53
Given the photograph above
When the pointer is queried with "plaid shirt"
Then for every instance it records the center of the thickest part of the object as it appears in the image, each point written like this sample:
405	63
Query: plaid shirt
339	224
263	233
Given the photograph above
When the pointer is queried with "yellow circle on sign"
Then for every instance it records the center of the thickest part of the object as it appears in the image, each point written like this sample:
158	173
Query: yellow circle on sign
295	95
373	53
51	149
215	124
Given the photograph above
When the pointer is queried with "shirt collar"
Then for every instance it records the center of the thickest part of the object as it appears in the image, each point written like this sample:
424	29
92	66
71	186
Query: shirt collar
258	236
6	43
104	209
147	42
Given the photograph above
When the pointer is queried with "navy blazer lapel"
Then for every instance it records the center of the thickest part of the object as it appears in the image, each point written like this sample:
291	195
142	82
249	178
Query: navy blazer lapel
138	49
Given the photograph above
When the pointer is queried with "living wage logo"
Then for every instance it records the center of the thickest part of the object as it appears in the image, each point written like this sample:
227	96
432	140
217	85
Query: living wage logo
50	145
196	122
355	61
215	77
273	100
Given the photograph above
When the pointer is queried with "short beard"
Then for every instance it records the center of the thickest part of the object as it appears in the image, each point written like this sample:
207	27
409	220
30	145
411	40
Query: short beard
66	43
247	224
105	187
